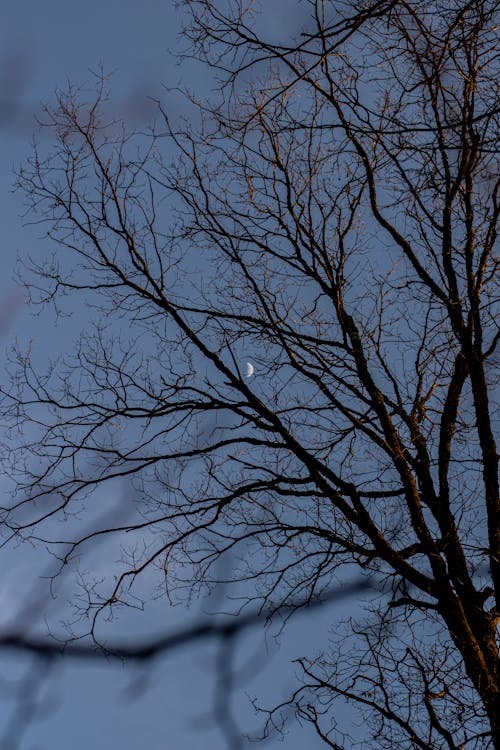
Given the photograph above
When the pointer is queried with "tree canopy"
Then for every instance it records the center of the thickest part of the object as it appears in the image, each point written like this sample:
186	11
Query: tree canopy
327	214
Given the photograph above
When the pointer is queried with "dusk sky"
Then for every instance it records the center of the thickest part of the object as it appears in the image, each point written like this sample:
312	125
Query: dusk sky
168	705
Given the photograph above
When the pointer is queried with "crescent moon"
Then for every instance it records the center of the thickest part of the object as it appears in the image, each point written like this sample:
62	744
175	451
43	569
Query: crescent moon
249	370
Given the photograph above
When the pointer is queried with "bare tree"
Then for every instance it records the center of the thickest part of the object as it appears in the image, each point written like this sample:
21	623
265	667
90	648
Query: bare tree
330	218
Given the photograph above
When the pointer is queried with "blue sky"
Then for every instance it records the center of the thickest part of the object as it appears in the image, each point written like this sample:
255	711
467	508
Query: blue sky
42	46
